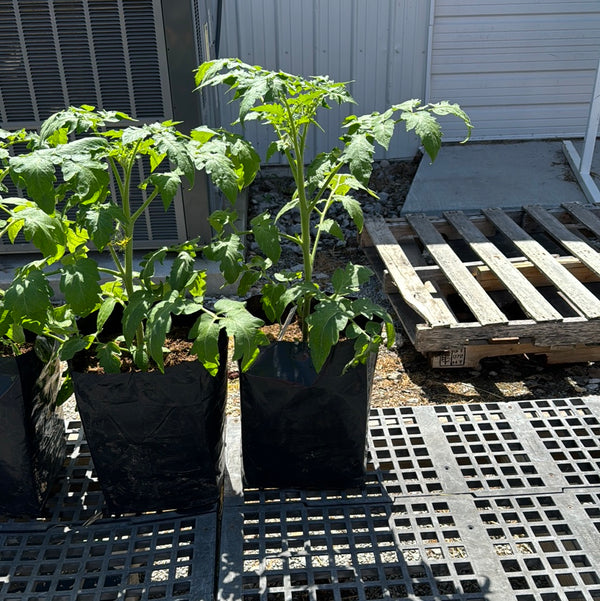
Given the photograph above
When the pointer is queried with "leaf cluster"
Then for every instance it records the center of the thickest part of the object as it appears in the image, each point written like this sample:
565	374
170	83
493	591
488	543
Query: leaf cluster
289	105
78	175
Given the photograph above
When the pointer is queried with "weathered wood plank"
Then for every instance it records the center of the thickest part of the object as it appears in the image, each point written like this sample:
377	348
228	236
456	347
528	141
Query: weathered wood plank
577	294
585	216
434	311
566	238
571	331
480	304
530	300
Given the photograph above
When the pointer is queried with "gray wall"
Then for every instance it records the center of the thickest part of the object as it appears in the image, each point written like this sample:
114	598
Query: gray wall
379	45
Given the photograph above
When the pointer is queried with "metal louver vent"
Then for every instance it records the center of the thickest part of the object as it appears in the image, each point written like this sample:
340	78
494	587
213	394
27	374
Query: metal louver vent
107	53
111	54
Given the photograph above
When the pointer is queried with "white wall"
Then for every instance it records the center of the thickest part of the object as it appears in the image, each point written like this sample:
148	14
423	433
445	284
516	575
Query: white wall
520	68
380	45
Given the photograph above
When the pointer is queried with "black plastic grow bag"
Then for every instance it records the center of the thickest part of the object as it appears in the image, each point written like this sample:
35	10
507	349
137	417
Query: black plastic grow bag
301	429
156	440
32	433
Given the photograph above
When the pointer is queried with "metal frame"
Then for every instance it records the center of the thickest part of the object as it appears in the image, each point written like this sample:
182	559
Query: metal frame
581	164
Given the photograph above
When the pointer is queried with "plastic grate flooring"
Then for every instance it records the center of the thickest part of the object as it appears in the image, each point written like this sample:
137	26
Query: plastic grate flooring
75	554
494	502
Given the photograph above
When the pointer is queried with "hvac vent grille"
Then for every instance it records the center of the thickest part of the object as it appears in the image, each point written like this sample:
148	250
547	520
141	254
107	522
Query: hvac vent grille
107	53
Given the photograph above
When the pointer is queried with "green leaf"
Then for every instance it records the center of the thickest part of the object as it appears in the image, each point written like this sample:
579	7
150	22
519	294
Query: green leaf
71	347
332	227
132	135
29	295
134	313
88	179
100	221
168	141
354	209
35	172
266	235
167	185
157	327
45	231
148	264
325	324
358	153
109	357
205	333
228	252
427	128
182	271
221	169
79	283
105	311
243	327
350	279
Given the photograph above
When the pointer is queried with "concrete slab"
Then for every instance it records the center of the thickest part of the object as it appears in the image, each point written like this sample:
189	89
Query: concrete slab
495	174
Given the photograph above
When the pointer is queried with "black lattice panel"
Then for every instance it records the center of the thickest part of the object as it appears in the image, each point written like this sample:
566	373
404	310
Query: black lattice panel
488	448
169	559
544	547
570	431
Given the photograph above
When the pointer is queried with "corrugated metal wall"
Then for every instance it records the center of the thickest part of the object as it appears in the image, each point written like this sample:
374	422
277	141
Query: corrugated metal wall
521	69
380	45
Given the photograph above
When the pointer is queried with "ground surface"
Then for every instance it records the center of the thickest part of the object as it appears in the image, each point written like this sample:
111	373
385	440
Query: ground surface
403	376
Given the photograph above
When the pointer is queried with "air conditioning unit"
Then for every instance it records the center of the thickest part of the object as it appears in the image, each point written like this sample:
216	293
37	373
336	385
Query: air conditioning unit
136	56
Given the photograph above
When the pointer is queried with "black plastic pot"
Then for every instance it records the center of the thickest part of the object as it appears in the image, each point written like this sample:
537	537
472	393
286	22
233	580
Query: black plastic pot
156	439
32	433
301	429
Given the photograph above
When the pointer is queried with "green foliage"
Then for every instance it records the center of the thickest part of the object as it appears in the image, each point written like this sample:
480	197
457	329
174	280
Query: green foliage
289	105
71	208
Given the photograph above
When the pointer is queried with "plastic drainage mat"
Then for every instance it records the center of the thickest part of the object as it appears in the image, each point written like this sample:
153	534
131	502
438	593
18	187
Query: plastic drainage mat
75	555
493	502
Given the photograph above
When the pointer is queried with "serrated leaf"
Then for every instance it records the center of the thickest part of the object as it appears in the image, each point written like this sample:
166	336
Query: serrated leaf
79	283
266	235
45	231
88	179
205	333
182	271
332	227
109	357
99	221
167	185
71	347
105	311
427	128
157	326
212	157
243	327
131	135
228	252
354	210
148	264
134	313
349	280
358	153
325	324
29	295
176	149
35	172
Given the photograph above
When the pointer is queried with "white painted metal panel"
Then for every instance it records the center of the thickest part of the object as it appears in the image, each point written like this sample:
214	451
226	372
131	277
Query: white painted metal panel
520	69
378	45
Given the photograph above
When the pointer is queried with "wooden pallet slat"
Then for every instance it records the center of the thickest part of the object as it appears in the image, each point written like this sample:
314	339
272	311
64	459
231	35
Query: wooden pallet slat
573	243
414	291
480	304
577	294
530	300
584	216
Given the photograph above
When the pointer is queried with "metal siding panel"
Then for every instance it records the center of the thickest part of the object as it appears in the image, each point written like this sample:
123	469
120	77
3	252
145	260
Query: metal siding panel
520	70
380	45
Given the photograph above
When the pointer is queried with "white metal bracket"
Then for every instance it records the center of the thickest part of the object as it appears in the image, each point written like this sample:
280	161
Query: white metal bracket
581	165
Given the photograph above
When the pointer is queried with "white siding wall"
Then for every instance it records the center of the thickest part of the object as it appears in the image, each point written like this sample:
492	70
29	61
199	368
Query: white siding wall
380	45
521	69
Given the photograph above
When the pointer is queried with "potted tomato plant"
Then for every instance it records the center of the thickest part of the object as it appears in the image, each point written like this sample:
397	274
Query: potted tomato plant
32	432
305	404
153	418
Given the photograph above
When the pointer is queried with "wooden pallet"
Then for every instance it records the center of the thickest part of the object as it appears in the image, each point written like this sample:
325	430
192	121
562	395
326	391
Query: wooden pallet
498	283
